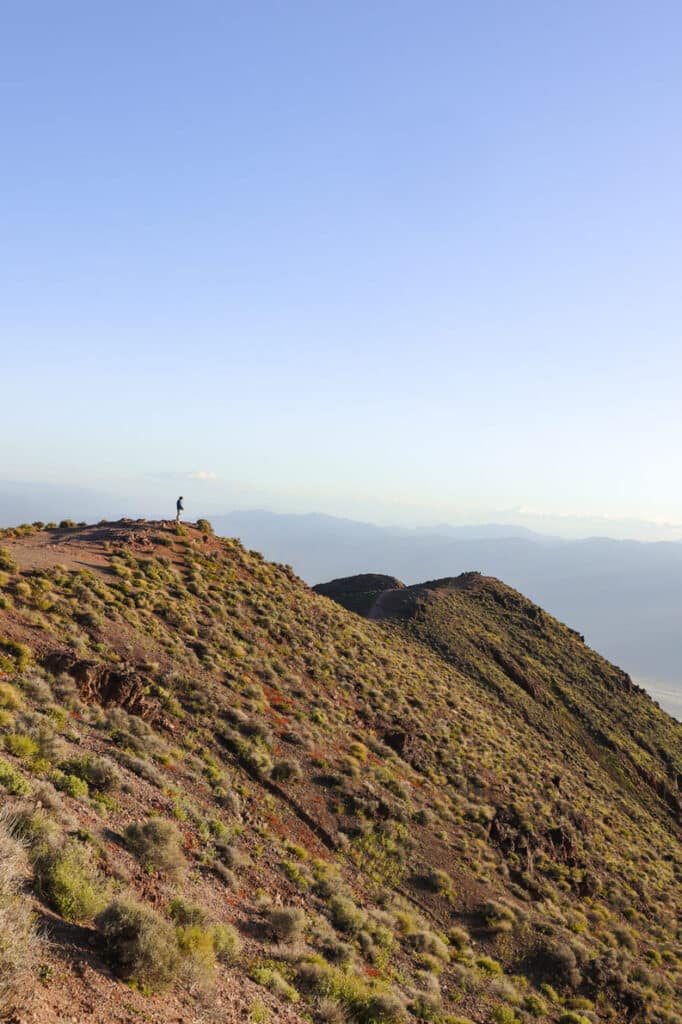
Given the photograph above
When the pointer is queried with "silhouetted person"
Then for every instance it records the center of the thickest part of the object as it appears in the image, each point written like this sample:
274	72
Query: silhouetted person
179	509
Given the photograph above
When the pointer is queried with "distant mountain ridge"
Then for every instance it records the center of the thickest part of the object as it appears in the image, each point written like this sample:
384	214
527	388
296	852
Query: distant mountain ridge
624	596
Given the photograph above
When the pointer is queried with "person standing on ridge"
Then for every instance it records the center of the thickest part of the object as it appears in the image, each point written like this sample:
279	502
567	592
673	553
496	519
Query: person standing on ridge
179	509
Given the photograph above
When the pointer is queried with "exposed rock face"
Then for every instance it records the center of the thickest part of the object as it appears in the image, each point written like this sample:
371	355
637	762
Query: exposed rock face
103	684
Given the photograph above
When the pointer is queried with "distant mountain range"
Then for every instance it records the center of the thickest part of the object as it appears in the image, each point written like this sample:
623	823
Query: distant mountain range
624	596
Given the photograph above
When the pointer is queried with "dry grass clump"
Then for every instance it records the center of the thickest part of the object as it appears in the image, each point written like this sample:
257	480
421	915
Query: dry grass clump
139	944
287	923
19	942
7	563
157	844
286	770
100	773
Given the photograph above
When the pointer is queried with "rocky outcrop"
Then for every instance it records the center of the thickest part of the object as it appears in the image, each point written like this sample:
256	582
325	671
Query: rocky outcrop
107	685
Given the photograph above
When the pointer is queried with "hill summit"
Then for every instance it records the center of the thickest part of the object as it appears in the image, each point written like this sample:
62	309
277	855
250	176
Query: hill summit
227	797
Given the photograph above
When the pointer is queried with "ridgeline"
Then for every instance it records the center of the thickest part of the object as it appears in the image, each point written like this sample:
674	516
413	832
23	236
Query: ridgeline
228	797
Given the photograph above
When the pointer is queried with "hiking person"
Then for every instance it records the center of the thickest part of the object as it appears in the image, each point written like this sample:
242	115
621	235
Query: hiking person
179	509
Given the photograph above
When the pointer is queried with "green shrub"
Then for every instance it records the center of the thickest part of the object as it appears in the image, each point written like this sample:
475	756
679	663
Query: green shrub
383	1008
157	846
7	563
12	780
14	655
488	965
69	784
185	913
139	944
205	526
21	746
100	773
227	943
10	698
504	1015
534	1005
67	879
270	978
427	942
198	956
346	916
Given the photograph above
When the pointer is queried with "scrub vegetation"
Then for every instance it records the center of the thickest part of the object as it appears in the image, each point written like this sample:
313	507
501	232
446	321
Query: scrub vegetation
227	797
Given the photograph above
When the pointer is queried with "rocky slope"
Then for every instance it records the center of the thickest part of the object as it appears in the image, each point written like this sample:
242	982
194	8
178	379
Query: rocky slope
228	798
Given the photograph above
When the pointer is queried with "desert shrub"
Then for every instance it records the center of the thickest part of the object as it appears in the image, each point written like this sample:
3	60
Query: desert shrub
270	978
439	881
139	944
205	526
334	950
18	939
99	772
67	879
227	877
487	965
157	845
231	856
37	688
7	563
558	963
197	965
535	1006
504	1015
12	780
49	745
14	654
227	943
426	1004
21	746
287	923
346	916
286	771
498	917
69	784
185	913
329	1011
383	1008
141	768
364	1004
10	698
427	942
573	1018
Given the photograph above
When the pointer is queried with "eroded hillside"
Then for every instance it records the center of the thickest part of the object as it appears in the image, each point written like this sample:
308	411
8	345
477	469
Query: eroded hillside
227	798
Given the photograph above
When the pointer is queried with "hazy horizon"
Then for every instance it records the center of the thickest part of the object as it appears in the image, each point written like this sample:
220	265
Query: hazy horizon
27	501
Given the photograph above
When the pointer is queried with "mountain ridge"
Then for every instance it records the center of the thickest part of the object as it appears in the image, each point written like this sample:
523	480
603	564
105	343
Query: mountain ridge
457	814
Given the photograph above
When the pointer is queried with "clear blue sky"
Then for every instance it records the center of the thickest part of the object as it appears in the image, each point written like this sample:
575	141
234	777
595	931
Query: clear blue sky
407	261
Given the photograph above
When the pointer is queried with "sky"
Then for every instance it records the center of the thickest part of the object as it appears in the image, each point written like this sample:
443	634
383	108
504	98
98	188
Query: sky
413	262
